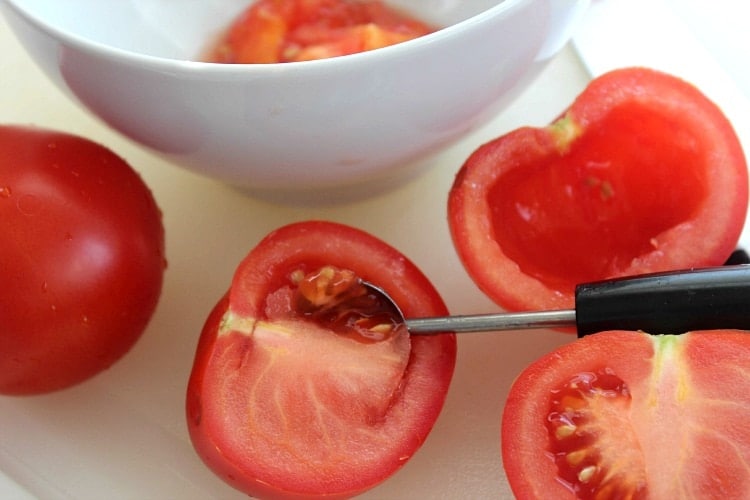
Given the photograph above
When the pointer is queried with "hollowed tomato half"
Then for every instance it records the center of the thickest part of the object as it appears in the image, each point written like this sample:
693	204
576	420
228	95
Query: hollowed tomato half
642	174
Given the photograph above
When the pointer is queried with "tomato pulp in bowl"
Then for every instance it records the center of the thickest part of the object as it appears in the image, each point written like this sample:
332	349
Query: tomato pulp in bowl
306	126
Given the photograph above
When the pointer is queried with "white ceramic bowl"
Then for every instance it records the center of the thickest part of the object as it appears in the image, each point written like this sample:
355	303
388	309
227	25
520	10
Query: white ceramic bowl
308	125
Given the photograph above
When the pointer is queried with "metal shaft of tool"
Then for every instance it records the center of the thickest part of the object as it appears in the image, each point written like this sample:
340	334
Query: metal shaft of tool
493	322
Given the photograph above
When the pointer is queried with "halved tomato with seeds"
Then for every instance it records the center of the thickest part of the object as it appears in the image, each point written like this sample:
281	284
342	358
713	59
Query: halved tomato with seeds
304	384
628	415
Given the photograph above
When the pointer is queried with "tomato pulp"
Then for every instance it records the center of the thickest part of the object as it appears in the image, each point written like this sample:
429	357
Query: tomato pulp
302	385
81	260
642	174
275	31
624	414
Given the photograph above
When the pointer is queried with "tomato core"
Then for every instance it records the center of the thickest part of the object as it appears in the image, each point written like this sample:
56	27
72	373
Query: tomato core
590	199
588	416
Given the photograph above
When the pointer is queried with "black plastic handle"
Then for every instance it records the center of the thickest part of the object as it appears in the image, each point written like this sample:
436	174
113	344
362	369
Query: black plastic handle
667	303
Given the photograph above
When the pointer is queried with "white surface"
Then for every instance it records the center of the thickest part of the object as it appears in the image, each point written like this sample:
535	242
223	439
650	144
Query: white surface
122	435
10	490
298	125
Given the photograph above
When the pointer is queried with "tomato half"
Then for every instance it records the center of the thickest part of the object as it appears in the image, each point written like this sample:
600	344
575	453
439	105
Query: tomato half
302	386
81	259
274	31
627	415
642	174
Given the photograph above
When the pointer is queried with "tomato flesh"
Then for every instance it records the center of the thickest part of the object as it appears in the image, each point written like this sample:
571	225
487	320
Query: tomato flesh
305	384
628	415
305	368
592	198
274	31
641	174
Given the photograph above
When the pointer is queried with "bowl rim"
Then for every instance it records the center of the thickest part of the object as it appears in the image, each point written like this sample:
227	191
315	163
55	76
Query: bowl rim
161	63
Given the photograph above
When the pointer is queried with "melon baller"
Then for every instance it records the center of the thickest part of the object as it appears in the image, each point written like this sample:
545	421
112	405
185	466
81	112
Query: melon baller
659	303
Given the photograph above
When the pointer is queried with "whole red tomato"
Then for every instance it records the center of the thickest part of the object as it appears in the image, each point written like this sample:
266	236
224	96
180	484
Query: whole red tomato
641	174
81	259
623	414
302	384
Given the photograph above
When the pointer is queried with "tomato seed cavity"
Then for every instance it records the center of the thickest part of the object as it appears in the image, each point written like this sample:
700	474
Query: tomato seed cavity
337	299
591	440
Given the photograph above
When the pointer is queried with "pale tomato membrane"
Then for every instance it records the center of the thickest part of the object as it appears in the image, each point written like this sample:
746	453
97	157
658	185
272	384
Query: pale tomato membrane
679	431
309	384
312	403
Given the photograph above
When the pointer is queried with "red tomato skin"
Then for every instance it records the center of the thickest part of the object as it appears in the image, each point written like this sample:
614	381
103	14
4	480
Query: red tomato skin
82	259
429	371
705	359
705	234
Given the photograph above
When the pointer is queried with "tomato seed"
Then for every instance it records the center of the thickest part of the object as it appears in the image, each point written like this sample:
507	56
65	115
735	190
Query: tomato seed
565	431
575	458
587	473
572	402
336	299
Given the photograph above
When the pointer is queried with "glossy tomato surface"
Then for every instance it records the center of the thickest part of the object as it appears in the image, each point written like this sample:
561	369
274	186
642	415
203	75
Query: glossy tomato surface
625	414
81	259
641	174
274	31
290	398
